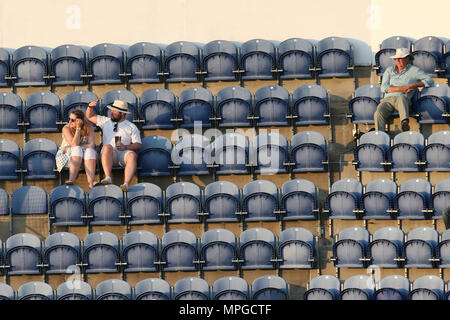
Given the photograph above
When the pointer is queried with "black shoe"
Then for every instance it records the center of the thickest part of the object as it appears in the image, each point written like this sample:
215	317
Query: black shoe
405	125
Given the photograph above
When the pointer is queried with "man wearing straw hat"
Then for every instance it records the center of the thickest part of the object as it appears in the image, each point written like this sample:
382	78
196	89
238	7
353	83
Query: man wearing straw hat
121	141
399	84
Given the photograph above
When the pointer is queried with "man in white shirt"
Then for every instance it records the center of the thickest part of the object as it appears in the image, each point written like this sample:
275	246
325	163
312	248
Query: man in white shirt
121	141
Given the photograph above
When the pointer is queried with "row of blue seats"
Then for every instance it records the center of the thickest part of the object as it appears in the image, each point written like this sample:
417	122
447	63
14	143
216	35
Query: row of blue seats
407	151
364	287
159	108
189	288
142	251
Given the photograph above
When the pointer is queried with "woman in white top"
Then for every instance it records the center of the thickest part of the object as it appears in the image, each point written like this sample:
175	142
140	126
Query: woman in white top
78	144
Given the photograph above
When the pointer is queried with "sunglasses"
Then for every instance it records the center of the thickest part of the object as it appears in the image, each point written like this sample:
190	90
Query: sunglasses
116	124
72	120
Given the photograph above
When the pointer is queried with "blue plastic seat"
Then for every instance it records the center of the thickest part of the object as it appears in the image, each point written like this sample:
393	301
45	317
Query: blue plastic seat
344	199
428	287
140	251
446	63
272	106
29	200
68	65
23	254
372	151
35	290
39	159
62	250
334	58
443	250
323	287
413	199
299	200
144	63
74	290
195	107
5	61
359	287
220	61
42	112
350	248
78	100
310	105
270	288
388	46
433	104
191	288
105	64
218	250
395	287
406	151
308	152
10	113
296	59
230	288
4	203
144	204
29	66
152	289
101	253
258	61
154	156
234	107
420	248
257	249
7	292
126	96
364	103
183	202
428	53
9	160
437	152
106	205
270	152
191	155
179	251
231	154
182	62
378	199
157	109
386	248
440	199
296	249
68	206
260	201
222	202
113	289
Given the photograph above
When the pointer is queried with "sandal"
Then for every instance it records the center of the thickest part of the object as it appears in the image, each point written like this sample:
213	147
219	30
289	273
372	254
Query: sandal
69	182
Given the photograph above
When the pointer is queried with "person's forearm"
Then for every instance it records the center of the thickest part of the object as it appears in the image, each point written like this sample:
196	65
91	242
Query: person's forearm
133	146
90	112
76	138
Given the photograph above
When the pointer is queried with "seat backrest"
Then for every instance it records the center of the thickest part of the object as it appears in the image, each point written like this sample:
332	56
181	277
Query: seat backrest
35	289
23	239
140	237
398	282
218	235
328	282
257	234
333	43
154	285
424	233
392	234
75	288
191	285
413	138
113	287
101	238
62	239
441	137
430	282
443	185
309	90
296	234
263	283
369	90
179	236
29	200
396	42
358	234
260	186
349	185
299	185
385	186
303	137
418	185
230	284
378	138
430	44
295	44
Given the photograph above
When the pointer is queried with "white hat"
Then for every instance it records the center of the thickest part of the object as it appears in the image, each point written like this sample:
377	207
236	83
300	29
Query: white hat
401	53
119	105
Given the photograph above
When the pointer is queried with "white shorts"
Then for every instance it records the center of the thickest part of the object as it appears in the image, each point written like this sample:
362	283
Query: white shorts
83	152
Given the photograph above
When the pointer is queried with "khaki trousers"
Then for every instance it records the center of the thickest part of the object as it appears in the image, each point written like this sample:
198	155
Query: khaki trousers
387	106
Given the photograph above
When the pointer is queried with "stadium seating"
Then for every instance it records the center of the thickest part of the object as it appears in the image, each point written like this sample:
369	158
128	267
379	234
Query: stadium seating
388	46
157	109
68	206
140	251
183	202
5	61
10	113
124	95
74	290
323	287
218	250
427	287
179	251
182	62
195	108
359	287
371	153
190	155
364	103
350	248
231	154
234	107
296	248
101	253
420	248
42	112
144	63
433	104
299	200
29	66
62	251
144	204
106	205
427	53
258	61
113	289
377	201
192	288
10	161
271	154
386	248
257	249
393	287
440	198
78	99
442	251
310	105
296	59
230	288
29	200
436	153
222	202
413	199
272	106
38	160
105	64
68	65
270	288
7	292
152	289
406	152
446	58
220	61
334	58
308	152
344	200
154	156
23	254
260	201
35	290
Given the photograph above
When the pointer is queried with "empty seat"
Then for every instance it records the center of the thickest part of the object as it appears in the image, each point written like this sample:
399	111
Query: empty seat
10	113
220	61
29	200
310	105
42	112
413	199
68	65
140	251
234	107
364	103
5	71
395	287
372	151
152	289
260	201
334	57
179	251
308	152
62	251
296	249
257	60
4	203
428	287
446	63
182	61
9	160
272	106
433	104
386	248
440	199
230	288
222	202
23	254
157	109
106	205
29	66
437	151
123	95
420	248
257	249
195	108
296	59
218	250
388	46
154	156
35	290
74	290
406	151
191	288
350	248
144	63
78	99
343	201
183	202
378	199
231	154
101	252
6	292
113	289
359	287
39	159
323	287
270	153
144	203
428	54
299	200
270	288
105	64
443	250
191	155
67	206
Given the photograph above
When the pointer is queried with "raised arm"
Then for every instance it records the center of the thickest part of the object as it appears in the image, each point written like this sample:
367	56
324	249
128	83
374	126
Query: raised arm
90	113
